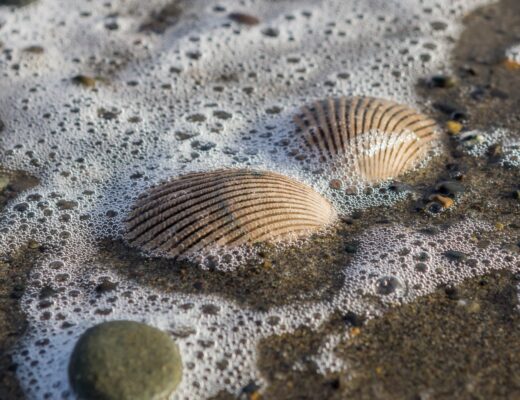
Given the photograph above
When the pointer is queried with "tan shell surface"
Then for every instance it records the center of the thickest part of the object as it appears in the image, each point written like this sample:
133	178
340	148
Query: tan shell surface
227	208
383	138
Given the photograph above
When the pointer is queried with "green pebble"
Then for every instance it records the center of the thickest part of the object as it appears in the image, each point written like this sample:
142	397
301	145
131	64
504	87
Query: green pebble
123	360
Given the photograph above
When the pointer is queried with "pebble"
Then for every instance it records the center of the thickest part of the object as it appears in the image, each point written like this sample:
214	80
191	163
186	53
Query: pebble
399	187
245	19
442	81
454	255
444	201
351	248
454	127
34	49
499	226
84	80
271	32
449	188
123	360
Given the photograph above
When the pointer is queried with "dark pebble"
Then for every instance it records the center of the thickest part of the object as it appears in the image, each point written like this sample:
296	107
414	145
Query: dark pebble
399	187
202	145
245	19
442	81
351	248
106	286
434	207
454	255
271	32
449	188
451	292
353	319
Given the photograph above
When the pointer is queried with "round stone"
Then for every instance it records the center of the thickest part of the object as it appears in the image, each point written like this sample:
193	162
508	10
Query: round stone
122	360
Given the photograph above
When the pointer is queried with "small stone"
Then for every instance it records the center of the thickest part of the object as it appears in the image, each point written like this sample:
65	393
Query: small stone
351	248
444	201
250	390
67	204
354	320
499	226
106	286
245	19
273	110
84	80
123	360
454	127
34	49
222	114
21	207
185	135
271	32
449	188
202	145
451	292
108	114
442	81
399	187
438	25
455	256
33	244
473	307
433	207
516	193
335	184
196	118
355	331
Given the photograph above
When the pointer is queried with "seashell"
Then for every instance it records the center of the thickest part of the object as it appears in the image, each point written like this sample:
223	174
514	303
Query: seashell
381	138
228	208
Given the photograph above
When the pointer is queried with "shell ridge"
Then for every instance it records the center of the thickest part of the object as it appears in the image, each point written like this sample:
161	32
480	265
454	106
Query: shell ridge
203	204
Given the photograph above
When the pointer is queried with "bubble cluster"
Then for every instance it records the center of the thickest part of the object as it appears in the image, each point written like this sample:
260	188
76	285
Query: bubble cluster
477	143
101	100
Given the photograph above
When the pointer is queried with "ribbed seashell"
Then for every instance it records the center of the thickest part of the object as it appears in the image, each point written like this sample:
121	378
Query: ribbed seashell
224	208
383	139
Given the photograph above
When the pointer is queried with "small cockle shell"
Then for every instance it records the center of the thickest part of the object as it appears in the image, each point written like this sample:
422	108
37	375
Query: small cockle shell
378	138
227	207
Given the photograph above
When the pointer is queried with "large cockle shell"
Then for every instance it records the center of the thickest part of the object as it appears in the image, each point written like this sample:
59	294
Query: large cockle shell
378	138
228	208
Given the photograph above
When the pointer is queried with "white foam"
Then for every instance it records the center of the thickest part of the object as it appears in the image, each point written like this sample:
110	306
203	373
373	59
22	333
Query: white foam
477	143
